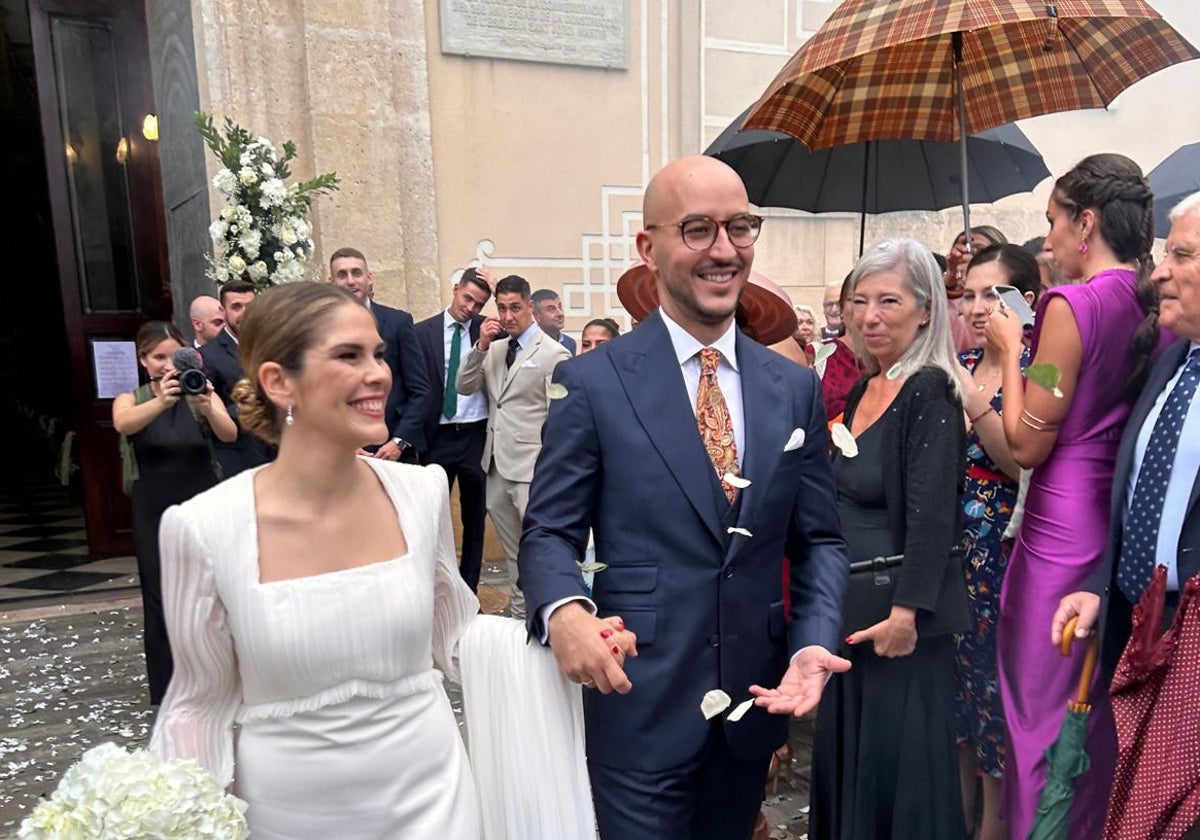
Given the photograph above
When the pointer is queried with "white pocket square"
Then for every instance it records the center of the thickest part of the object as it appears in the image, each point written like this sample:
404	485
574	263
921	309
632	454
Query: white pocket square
528	363
795	441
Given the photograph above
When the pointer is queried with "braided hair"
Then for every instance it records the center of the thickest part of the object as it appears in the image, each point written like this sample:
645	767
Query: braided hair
1114	187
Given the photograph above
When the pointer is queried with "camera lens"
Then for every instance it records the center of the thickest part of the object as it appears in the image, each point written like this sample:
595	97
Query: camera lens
193	382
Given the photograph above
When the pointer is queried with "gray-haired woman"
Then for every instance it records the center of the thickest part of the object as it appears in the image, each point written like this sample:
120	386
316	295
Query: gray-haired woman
885	760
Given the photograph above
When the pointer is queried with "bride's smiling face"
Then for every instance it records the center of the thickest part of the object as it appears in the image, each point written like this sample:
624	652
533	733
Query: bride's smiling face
343	389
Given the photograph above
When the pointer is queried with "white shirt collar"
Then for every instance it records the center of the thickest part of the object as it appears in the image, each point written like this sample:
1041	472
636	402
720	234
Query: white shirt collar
448	321
229	332
686	346
525	338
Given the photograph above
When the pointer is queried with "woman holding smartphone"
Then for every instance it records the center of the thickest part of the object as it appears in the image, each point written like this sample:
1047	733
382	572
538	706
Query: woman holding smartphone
995	274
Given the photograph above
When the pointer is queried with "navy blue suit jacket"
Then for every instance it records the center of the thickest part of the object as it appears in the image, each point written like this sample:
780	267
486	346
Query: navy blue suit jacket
621	455
1115	610
431	335
224	369
408	401
568	342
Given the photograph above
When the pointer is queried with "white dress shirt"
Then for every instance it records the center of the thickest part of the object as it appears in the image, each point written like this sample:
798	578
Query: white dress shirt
471	408
1183	476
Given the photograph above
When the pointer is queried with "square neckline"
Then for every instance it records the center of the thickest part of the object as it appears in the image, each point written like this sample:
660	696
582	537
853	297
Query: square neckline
376	470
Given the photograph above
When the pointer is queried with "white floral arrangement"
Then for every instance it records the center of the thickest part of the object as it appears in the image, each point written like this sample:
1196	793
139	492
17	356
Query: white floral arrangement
261	233
117	795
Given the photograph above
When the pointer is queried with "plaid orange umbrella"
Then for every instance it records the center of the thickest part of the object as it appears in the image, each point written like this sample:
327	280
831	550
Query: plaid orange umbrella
945	69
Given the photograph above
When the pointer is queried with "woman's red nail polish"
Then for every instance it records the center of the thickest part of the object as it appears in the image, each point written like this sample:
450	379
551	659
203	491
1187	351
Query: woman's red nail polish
848	638
616	650
604	634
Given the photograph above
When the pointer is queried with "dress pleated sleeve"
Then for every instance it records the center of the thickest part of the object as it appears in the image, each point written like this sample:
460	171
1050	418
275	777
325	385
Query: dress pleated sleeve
196	718
454	604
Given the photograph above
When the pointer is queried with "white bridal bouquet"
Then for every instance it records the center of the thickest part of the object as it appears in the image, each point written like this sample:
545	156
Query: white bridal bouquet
261	233
111	794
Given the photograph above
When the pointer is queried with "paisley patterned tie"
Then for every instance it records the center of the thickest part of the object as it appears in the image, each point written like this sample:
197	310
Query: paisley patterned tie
716	426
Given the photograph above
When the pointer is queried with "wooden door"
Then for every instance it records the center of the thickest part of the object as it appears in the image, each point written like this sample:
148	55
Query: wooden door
94	90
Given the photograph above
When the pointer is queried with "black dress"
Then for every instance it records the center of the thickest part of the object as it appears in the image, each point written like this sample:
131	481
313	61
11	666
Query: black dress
885	763
174	463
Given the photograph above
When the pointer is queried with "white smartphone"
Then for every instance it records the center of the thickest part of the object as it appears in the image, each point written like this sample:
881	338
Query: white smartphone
1012	298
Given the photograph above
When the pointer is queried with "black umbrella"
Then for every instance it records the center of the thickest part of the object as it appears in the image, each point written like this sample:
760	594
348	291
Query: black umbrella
879	176
1174	179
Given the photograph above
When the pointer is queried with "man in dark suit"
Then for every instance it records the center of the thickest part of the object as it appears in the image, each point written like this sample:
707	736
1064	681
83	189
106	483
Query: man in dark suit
1156	485
456	425
548	312
698	458
408	402
224	370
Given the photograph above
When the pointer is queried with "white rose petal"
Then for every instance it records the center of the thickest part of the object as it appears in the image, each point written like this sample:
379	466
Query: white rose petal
844	441
740	711
733	529
714	702
894	371
736	481
555	391
825	351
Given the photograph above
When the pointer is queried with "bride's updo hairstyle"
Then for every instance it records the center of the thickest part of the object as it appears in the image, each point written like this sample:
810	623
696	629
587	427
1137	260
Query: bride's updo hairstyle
279	326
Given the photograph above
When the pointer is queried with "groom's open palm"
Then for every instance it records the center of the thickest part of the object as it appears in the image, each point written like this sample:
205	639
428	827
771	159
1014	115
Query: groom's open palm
800	690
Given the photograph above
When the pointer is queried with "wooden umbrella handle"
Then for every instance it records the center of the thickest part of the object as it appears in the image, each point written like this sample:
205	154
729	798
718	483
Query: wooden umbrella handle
1089	659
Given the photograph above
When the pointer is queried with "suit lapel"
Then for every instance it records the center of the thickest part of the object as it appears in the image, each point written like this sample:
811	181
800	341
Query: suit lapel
767	425
524	355
1160	375
649	372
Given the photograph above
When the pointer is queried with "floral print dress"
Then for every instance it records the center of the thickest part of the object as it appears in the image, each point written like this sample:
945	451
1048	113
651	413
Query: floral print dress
987	502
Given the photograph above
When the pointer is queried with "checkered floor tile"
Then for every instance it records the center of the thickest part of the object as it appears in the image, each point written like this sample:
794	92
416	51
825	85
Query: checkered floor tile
44	553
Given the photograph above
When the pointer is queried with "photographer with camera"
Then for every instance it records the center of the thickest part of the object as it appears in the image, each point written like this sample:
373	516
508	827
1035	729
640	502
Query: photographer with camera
167	427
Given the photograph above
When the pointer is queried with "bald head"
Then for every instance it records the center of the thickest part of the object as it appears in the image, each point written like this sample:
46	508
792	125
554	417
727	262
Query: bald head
208	318
680	179
690	207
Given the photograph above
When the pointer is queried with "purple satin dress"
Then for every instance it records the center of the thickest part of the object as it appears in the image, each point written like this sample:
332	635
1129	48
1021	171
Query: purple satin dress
1060	544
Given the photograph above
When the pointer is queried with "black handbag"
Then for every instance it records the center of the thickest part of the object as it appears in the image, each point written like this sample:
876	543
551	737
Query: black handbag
871	587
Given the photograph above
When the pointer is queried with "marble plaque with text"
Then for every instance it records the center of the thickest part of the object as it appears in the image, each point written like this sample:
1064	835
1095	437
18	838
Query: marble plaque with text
591	33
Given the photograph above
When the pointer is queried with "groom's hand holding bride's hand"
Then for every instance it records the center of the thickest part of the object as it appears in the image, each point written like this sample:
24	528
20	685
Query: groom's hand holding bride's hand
800	691
591	650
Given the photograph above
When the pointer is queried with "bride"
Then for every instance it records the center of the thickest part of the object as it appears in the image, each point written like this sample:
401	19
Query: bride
316	601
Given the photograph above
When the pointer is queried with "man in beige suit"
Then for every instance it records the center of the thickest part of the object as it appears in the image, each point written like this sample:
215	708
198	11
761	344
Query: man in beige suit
515	370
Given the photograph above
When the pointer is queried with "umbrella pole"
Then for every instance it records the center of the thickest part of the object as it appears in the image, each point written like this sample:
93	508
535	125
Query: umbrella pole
862	217
962	137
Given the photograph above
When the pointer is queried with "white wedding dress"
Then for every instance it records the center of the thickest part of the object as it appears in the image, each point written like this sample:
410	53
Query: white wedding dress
336	682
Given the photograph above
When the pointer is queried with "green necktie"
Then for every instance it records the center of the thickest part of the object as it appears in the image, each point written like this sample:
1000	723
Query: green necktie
450	397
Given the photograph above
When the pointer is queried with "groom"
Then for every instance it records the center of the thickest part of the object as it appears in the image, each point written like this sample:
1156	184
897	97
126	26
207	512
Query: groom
694	558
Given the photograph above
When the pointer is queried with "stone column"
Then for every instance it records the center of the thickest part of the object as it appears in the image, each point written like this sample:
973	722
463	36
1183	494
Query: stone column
347	81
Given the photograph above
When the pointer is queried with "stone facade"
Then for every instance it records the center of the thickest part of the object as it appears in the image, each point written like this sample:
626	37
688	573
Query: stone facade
537	168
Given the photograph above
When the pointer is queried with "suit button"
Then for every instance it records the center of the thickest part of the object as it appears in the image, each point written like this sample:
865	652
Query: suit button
714	640
729	573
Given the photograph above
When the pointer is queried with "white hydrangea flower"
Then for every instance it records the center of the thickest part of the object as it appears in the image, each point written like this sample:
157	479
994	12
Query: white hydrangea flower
257	270
301	226
114	794
224	182
274	192
247	176
250	241
217	230
246	158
